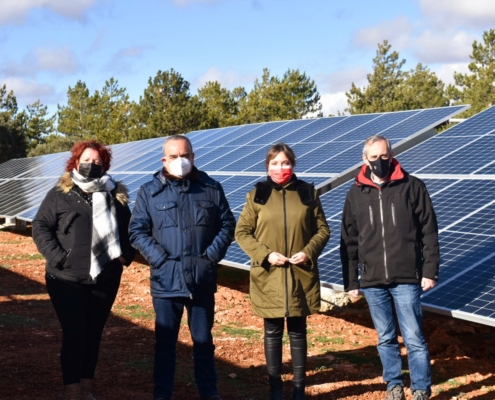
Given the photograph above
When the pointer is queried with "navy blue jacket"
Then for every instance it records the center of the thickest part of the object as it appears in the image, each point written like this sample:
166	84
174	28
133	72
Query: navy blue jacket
183	229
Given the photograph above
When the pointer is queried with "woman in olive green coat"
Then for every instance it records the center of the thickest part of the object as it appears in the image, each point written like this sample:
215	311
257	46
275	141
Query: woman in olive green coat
283	229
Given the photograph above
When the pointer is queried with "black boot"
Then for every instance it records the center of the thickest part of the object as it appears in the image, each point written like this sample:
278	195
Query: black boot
276	387
299	354
274	329
299	390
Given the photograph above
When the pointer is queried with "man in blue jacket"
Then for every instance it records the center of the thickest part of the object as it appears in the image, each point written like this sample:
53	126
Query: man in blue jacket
182	225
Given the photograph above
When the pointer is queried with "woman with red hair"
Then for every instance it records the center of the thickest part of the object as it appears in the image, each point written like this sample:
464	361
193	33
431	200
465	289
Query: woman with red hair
81	230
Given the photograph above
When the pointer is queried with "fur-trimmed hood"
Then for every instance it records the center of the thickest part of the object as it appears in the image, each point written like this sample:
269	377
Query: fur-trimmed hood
65	185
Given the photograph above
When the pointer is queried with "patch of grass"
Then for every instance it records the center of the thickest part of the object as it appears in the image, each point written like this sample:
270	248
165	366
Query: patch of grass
236	330
12	242
6	266
134	311
144	364
326	339
28	257
454	383
17	320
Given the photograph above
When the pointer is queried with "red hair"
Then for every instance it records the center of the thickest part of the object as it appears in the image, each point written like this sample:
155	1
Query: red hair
104	152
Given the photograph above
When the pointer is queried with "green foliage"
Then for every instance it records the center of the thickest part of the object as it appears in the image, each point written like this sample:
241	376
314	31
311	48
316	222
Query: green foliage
75	119
38	124
112	114
12	139
477	87
167	107
52	144
392	89
274	99
220	105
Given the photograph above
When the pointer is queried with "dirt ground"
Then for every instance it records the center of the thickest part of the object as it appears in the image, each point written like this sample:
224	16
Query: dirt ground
343	362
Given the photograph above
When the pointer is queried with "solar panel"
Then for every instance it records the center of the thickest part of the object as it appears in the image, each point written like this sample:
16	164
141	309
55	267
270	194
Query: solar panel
328	150
455	166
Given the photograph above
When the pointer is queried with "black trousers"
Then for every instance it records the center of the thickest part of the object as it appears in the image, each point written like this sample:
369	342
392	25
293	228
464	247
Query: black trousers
274	330
82	310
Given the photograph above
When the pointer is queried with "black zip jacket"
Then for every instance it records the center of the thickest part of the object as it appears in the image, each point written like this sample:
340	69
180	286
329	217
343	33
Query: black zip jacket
62	231
390	232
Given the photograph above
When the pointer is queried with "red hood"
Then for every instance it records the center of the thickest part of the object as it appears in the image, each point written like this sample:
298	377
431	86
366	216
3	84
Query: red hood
364	175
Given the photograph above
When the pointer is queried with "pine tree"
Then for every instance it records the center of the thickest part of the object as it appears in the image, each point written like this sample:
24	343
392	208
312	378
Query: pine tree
477	87
167	107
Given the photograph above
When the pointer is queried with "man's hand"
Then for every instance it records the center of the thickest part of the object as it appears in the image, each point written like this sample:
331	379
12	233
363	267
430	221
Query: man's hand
427	284
278	259
299	258
354	293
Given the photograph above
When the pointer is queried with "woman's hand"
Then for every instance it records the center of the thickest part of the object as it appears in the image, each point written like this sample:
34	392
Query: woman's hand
299	258
277	259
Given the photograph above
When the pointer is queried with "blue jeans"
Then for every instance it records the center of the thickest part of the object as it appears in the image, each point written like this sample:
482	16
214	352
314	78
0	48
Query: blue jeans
395	306
200	313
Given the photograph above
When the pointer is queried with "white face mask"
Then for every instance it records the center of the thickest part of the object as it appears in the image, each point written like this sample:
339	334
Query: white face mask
180	166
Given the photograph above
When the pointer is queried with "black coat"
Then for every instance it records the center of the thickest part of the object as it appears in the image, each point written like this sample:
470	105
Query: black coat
62	231
391	232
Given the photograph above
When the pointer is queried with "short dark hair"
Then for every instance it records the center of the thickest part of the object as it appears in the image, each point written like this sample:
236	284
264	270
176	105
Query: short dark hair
280	148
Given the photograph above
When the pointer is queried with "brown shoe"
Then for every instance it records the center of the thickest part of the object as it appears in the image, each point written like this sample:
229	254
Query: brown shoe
72	391
86	385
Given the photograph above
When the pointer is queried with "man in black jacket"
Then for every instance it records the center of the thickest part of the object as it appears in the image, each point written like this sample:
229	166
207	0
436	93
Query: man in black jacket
389	230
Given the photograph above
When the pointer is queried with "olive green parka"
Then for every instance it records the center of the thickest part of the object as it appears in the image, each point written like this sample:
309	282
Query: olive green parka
286	220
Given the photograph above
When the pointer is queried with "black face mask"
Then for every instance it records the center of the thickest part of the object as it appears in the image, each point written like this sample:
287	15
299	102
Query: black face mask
380	167
90	170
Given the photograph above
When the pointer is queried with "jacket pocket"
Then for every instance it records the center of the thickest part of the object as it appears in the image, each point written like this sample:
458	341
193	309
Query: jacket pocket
165	278
66	222
205	273
393	214
372	220
167	214
205	213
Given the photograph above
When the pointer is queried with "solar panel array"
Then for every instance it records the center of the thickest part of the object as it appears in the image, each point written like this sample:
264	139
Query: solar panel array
457	168
450	164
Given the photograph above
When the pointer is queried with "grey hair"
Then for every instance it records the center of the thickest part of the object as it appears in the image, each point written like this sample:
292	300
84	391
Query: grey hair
376	138
177	137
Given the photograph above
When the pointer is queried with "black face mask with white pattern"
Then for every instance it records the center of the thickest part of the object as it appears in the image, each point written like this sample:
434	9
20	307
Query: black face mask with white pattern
380	167
90	170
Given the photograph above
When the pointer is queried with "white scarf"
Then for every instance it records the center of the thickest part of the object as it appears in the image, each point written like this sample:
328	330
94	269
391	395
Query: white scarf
105	243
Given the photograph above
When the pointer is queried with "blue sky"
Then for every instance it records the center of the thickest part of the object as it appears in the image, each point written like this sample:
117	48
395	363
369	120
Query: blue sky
48	45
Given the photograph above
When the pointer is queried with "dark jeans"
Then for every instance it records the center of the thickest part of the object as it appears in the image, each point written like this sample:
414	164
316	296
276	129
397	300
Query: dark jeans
274	330
82	311
200	312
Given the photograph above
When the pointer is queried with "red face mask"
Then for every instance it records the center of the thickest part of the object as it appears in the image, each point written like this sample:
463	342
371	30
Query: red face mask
281	175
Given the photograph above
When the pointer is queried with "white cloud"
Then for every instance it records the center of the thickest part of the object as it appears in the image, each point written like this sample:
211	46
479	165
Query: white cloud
446	71
16	11
228	79
29	91
61	61
397	32
446	13
333	103
340	81
443	47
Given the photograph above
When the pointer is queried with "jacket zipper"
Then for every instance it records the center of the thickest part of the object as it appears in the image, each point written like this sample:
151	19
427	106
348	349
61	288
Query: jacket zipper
383	237
286	255
371	218
393	213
